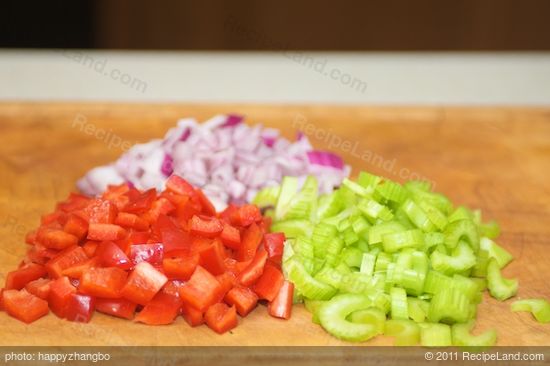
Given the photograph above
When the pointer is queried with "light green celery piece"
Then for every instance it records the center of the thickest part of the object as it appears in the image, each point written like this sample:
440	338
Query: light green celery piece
418	185
392	191
406	239
435	335
499	287
304	204
482	260
368	181
501	255
461	334
461	213
437	200
433	239
358	283
468	286
449	306
540	308
399	304
330	276
293	228
405	332
309	287
356	188
303	247
436	282
418	309
313	307
377	231
417	216
374	210
372	316
267	197
352	257
462	230
437	217
360	226
367	264
490	229
383	260
333	316
462	258
328	205
288	189
350	237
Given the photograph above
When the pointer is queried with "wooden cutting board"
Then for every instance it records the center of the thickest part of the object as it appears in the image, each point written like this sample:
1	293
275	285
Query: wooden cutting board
496	159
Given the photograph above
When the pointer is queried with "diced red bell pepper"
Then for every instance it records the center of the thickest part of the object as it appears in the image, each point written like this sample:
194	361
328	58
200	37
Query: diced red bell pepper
131	221
24	305
121	308
191	315
251	239
180	268
254	270
75	202
101	232
175	239
243	298
268	285
162	310
80	308
227	281
226	214
59	296
30	237
209	227
90	247
221	318
274	244
76	271
246	215
162	206
101	212
76	226
103	282
142	202
39	287
56	239
19	278
152	253
202	289
40	254
180	186
207	206
143	283
231	237
212	258
54	219
66	259
281	306
110	255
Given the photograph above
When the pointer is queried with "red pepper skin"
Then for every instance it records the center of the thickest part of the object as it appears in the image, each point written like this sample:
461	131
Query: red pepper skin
221	318
152	253
162	310
110	255
281	306
76	271
268	285
191	315
243	298
246	215
140	202
103	282
251	239
103	232
143	284
39	288
101	212
202	290
179	186
180	268
254	270
231	237
23	305
175	240
56	239
212	258
76	226
120	308
65	259
59	296
19	278
131	221
207	206
274	244
80	308
207	227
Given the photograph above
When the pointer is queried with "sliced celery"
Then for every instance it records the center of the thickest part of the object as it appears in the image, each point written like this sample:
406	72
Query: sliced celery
540	308
377	231
267	197
356	188
308	286
462	230
406	332
372	316
417	216
288	189
418	309
333	317
399	304
313	307
328	205
369	181
501	255
435	335
462	258
352	257
374	210
367	264
500	288
449	306
462	336
405	239
294	228
490	229
392	191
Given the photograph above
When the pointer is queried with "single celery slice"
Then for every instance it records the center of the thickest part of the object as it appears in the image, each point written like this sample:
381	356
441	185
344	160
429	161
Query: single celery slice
463	258
350	237
436	282
540	308
304	204
461	213
417	216
462	336
418	309
437	217
490	229
405	239
333	317
433	239
435	335
399	305
294	228
360	226
462	230
267	197
356	188
369	181
449	306
313	307
374	210
467	286
367	264
303	247
309	287
372	316
377	231
328	205
501	255
352	257
406	332
392	191
288	189
330	276
499	287
383	260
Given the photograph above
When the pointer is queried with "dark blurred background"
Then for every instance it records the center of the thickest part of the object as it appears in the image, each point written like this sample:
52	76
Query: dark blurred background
392	25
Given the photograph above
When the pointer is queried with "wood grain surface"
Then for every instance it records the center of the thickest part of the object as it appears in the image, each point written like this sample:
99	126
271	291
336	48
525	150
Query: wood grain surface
496	159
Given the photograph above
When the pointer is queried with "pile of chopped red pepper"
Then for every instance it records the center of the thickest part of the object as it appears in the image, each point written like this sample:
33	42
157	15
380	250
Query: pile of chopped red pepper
150	257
